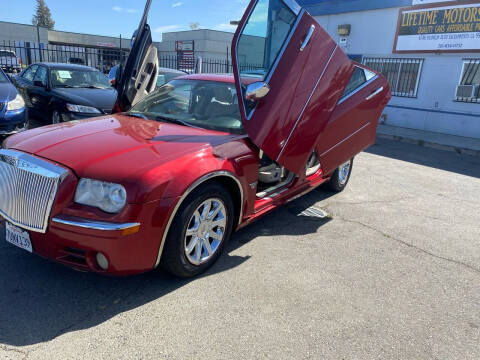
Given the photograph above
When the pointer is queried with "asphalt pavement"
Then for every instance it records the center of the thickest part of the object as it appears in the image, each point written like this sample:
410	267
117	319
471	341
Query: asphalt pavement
393	272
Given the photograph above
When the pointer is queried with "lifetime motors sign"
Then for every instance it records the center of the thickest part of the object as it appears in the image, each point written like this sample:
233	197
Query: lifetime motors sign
445	27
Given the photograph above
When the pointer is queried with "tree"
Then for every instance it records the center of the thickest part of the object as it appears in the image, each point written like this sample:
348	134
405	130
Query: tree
43	16
195	26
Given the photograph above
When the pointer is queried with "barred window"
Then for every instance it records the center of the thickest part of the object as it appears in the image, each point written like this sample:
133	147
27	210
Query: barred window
468	89
403	74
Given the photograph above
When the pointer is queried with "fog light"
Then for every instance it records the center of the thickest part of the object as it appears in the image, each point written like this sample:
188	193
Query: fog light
102	261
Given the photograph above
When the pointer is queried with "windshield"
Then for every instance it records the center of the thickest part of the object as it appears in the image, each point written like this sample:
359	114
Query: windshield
205	104
79	79
4	53
3	77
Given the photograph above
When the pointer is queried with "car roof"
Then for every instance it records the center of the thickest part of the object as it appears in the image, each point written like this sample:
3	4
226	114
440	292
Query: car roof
65	66
173	71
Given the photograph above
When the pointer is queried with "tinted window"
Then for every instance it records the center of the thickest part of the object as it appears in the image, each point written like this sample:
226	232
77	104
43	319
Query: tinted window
357	80
263	37
41	75
29	74
205	104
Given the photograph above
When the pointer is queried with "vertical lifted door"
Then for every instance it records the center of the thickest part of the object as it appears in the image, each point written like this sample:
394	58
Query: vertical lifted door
290	75
138	76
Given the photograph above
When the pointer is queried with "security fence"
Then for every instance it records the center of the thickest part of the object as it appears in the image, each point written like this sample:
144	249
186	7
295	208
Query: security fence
403	74
16	55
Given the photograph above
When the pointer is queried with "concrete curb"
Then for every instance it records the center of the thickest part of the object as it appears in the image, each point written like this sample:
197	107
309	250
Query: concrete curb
419	142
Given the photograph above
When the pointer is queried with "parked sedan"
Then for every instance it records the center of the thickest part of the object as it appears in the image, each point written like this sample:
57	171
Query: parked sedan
165	182
62	92
13	117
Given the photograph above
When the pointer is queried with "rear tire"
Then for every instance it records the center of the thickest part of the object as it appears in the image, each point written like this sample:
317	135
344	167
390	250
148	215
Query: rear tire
340	177
198	236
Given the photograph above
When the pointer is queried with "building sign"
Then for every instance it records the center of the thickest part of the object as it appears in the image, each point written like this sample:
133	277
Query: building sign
444	27
184	45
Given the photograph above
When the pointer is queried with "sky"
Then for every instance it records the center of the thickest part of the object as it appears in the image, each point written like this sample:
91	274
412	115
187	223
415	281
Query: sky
121	17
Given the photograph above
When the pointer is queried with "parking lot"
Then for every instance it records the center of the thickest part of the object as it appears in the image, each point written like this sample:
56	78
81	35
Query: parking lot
392	273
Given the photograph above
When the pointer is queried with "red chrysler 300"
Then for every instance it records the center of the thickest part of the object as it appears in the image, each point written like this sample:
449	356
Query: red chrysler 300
167	178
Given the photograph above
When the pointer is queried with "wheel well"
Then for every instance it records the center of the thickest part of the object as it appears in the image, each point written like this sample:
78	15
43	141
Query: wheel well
234	191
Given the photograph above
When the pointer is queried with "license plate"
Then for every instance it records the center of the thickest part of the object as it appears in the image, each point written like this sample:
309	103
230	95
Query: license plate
18	237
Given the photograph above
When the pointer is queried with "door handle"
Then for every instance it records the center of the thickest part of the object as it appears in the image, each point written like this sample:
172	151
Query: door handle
375	93
308	37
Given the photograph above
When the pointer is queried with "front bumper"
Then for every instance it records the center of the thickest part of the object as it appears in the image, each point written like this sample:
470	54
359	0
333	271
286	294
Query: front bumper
130	247
12	122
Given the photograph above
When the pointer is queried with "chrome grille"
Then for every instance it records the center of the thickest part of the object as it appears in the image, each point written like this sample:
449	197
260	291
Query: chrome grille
28	187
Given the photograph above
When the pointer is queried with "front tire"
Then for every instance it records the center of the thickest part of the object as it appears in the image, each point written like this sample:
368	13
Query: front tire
56	117
199	232
339	180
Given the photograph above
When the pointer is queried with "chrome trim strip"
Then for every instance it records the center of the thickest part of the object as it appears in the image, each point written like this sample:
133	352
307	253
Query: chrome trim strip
308	38
358	89
293	5
372	95
348	137
184	196
48	176
92	224
306	104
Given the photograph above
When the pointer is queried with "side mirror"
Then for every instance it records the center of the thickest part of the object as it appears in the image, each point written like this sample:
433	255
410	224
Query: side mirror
256	91
38	83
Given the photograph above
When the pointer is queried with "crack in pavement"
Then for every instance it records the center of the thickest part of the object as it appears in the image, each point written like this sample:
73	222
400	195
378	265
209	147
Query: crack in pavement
388	201
25	353
388	236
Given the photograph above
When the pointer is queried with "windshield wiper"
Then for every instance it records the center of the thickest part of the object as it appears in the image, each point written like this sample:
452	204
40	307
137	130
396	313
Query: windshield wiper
135	115
175	121
94	87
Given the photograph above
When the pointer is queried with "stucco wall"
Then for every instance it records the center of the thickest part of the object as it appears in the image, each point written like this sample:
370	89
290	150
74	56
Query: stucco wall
373	34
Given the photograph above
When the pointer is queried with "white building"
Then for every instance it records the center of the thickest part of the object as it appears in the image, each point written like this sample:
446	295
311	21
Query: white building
424	84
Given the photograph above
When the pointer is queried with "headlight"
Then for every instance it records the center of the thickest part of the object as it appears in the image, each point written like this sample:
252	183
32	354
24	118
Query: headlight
82	109
108	197
16	104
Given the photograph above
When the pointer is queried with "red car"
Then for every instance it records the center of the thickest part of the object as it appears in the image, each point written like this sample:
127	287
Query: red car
168	178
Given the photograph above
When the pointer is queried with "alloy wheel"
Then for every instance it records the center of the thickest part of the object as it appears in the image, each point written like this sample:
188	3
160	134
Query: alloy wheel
344	172
205	231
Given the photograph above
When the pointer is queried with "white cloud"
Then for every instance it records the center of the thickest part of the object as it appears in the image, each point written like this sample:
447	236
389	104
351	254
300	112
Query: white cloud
177	4
121	9
225	27
167	28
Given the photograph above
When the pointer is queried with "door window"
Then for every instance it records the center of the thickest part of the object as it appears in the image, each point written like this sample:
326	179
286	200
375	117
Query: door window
357	80
264	35
29	74
41	75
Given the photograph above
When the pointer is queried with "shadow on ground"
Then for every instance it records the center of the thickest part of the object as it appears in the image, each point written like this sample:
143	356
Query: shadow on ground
440	159
40	300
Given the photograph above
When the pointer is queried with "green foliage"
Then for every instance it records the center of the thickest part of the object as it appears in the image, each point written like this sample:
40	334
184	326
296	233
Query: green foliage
43	16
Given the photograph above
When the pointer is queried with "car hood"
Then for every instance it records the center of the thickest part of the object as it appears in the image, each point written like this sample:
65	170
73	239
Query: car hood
98	98
115	148
7	92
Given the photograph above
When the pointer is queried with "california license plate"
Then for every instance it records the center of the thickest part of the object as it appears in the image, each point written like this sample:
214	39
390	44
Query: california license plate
18	237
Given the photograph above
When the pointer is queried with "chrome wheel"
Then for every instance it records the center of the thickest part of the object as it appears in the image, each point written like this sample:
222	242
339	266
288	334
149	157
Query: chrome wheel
344	172
56	118
205	231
